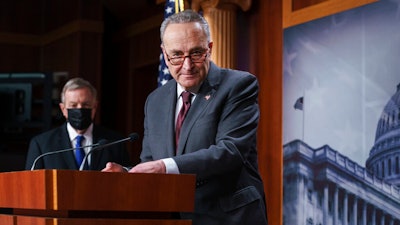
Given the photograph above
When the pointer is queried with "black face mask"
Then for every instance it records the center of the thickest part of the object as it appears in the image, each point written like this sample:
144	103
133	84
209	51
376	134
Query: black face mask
80	119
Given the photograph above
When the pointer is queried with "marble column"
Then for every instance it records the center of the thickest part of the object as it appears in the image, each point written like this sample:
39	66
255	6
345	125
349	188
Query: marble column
364	213
355	210
373	216
335	205
325	206
391	221
345	208
221	16
302	200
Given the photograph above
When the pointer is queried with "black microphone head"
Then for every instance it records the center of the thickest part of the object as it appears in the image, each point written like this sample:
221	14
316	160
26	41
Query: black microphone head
133	136
102	142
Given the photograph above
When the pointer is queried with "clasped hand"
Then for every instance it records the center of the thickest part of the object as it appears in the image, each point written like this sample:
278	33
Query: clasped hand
157	166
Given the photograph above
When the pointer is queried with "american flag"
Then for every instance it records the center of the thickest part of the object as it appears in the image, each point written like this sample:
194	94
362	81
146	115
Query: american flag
171	7
299	104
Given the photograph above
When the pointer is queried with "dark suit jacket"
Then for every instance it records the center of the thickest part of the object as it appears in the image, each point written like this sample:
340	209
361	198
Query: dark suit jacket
58	139
217	143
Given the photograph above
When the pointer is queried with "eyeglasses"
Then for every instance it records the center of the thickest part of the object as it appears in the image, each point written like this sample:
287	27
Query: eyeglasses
195	57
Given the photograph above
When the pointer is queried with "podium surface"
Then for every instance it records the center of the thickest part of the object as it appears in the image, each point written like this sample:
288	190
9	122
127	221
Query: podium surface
83	196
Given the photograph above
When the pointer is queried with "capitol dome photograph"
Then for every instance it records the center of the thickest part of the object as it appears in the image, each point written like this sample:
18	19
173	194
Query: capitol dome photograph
341	126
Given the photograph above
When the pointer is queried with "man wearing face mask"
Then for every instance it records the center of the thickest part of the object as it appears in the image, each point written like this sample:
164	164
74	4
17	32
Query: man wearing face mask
78	105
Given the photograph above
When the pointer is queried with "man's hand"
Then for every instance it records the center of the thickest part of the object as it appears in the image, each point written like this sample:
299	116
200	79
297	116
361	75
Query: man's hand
149	167
113	167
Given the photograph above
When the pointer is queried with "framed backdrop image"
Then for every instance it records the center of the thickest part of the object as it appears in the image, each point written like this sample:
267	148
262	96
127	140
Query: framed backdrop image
341	118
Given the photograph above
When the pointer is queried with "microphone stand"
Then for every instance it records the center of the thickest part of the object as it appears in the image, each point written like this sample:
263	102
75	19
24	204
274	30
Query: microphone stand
59	151
132	137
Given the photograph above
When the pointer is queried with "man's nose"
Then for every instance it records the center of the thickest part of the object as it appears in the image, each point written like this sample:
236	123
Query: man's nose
187	63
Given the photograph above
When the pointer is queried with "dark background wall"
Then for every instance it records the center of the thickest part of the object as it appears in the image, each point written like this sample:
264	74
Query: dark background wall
114	44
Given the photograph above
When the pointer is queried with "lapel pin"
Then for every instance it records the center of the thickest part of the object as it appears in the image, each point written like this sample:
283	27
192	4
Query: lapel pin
207	97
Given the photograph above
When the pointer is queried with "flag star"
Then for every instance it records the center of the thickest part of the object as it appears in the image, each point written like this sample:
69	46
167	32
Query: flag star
168	10
164	81
165	71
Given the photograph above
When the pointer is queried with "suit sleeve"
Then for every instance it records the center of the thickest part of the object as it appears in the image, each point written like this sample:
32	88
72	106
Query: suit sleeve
145	155
33	153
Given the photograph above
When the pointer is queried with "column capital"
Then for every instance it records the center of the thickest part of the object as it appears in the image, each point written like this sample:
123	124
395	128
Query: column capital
207	4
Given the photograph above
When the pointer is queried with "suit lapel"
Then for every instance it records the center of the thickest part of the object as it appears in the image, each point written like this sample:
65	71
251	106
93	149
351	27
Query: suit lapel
170	140
163	118
203	98
65	142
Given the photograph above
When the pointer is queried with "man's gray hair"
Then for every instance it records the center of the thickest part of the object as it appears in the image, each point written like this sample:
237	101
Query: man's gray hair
77	83
186	16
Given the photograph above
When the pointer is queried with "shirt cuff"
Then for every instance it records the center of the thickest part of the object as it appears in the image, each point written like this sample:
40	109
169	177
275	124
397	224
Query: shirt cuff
127	168
170	166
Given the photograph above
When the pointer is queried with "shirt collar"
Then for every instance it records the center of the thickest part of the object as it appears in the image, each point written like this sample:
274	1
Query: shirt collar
180	89
72	132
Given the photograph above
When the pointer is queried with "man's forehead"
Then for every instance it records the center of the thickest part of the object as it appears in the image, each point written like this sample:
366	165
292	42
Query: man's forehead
184	40
182	30
80	92
76	90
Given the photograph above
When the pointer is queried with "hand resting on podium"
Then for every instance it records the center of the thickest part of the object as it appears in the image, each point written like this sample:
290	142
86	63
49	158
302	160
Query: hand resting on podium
157	166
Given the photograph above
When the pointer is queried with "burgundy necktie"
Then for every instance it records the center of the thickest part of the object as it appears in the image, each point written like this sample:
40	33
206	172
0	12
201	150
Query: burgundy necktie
186	100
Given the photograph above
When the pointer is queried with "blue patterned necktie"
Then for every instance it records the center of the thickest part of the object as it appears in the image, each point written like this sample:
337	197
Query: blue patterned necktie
79	152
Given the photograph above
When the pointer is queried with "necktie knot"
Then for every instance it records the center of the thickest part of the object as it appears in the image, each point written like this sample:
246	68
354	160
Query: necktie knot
79	140
186	95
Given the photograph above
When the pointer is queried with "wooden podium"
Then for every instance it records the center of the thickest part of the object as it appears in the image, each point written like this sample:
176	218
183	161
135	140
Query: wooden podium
66	197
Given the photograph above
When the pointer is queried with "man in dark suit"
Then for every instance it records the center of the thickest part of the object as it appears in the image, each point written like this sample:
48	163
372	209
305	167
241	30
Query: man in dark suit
217	140
78	105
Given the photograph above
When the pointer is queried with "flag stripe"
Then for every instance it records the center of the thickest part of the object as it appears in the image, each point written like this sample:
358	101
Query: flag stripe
171	7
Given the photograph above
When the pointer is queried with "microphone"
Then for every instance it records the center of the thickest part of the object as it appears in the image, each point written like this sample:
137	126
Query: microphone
132	137
64	150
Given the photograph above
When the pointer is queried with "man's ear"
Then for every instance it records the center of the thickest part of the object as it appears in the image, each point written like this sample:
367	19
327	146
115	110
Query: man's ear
63	110
210	45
